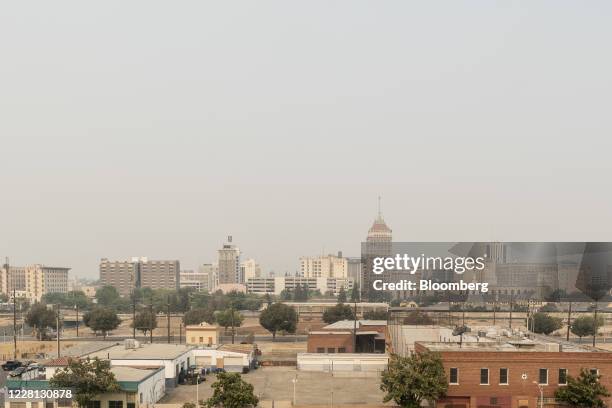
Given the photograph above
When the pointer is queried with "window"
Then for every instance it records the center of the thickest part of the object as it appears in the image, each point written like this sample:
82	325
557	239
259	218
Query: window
93	404
562	376
594	371
493	400
484	376
115	404
131	405
503	377
331	350
140	399
201	339
543	377
341	350
320	350
454	376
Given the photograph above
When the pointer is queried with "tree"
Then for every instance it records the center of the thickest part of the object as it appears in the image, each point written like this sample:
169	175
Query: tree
40	318
418	318
549	307
101	319
583	392
375	315
342	295
107	296
145	321
337	313
544	323
286	295
278	317
197	316
88	378
355	296
268	299
301	293
231	391
410	380
229	317
583	325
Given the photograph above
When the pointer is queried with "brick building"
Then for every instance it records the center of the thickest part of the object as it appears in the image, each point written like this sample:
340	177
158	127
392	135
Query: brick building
510	373
371	337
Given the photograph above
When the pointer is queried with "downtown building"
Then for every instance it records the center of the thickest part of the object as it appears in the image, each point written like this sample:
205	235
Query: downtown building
324	266
32	282
228	264
139	273
275	285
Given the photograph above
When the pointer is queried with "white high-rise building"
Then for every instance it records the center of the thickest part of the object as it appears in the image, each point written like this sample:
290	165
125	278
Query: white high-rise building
250	269
325	266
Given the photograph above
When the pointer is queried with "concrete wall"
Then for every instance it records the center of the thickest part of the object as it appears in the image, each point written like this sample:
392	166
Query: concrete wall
342	362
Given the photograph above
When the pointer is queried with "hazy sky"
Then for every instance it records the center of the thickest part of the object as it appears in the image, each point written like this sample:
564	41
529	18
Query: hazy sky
158	128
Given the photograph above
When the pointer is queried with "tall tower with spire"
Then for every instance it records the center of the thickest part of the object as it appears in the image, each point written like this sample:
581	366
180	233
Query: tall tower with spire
378	243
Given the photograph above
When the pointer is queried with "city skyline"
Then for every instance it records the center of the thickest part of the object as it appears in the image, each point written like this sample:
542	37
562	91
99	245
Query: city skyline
280	125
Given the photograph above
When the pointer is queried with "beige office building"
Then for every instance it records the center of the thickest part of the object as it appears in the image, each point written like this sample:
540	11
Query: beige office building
34	281
123	275
327	266
229	264
160	274
249	269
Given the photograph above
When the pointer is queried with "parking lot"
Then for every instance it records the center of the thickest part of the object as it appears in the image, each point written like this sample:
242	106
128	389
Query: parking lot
311	388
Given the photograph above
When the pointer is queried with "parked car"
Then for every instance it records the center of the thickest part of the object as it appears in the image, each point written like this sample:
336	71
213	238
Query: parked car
10	365
18	371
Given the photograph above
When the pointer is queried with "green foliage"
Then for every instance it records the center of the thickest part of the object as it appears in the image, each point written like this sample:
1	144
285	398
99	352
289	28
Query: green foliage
229	317
88	378
101	319
549	307
410	380
583	325
40	318
416	317
231	391
342	295
583	392
197	316
188	405
244	301
278	317
337	313
557	295
107	296
545	324
145	321
286	295
375	315
301	293
67	300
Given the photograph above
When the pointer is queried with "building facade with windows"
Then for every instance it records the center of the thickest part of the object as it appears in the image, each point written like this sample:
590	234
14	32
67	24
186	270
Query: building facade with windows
325	266
229	263
34	281
139	272
274	286
510	374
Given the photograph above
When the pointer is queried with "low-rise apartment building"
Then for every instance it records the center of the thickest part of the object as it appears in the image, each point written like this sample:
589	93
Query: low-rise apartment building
275	285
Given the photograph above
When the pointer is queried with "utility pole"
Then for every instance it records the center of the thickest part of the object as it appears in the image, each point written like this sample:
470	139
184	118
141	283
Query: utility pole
154	317
494	307
168	308
134	313
511	306
76	306
595	324
569	320
233	330
57	329
8	275
355	327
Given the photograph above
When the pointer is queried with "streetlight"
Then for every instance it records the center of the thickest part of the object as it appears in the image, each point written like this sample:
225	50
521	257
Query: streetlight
541	388
294	381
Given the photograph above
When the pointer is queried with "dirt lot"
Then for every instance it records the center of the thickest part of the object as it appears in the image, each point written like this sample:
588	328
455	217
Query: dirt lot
275	383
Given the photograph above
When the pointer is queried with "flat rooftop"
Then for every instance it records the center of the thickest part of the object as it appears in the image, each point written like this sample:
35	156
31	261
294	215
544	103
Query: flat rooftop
537	344
132	374
145	352
349	324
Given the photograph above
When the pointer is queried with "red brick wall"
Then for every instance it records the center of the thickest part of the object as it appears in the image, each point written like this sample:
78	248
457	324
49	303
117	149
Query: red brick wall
327	341
469	364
